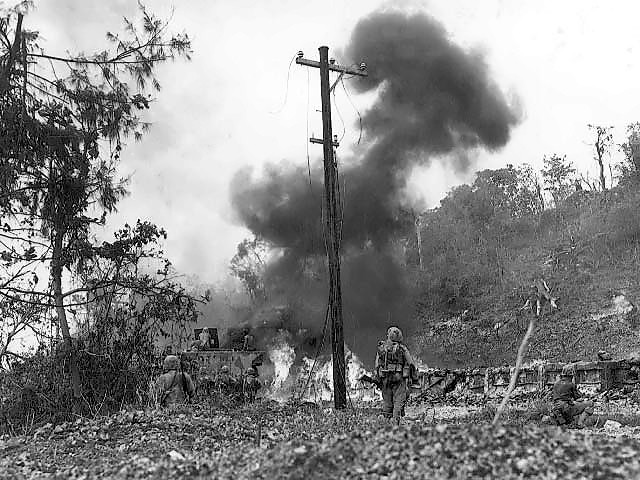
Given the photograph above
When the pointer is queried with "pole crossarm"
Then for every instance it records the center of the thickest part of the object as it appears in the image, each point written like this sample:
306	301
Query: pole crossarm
333	67
321	141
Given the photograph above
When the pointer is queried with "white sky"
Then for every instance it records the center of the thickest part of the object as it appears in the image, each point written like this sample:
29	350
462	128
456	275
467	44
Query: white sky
570	63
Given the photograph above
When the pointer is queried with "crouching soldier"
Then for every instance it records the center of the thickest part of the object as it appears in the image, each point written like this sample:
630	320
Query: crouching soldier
250	384
394	367
226	384
566	409
174	386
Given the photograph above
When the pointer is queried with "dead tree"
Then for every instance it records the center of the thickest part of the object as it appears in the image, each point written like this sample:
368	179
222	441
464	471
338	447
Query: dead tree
540	295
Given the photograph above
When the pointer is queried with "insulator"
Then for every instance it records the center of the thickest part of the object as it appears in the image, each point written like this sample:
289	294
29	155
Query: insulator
300	54
363	66
332	61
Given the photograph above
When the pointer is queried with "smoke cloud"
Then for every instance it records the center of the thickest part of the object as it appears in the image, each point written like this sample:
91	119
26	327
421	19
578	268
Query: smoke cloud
433	99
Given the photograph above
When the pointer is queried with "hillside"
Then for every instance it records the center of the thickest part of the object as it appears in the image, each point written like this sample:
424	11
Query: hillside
587	252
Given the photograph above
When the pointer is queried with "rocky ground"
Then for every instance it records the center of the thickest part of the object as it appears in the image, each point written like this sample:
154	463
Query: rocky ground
268	441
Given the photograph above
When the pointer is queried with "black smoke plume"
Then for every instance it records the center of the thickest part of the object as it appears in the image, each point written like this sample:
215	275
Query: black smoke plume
433	100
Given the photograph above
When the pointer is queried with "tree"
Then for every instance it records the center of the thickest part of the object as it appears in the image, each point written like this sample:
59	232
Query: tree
132	296
629	168
558	176
249	264
602	147
64	120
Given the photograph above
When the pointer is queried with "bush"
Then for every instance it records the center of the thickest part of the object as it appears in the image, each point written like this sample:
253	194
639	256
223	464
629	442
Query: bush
38	390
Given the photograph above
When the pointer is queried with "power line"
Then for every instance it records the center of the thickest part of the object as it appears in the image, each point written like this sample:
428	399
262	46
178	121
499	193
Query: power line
318	350
354	107
286	92
307	137
344	128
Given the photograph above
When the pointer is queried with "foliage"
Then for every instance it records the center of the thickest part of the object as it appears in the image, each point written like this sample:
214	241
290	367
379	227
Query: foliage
629	168
17	318
131	297
481	252
559	177
465	239
64	121
249	264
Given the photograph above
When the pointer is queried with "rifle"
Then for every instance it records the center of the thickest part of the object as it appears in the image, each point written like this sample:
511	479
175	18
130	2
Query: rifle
371	380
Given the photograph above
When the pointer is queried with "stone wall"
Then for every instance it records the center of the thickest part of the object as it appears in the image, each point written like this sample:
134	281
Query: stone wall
597	376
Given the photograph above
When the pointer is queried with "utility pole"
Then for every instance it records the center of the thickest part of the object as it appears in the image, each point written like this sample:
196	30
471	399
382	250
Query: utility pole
333	219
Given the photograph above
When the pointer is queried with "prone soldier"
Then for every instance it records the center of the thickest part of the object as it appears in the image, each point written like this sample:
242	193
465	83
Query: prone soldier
566	408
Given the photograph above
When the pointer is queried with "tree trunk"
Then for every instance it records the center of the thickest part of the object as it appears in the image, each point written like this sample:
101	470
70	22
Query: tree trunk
516	371
602	179
600	152
56	277
5	70
419	240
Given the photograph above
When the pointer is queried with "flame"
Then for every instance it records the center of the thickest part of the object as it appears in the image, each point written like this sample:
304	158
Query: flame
312	380
282	358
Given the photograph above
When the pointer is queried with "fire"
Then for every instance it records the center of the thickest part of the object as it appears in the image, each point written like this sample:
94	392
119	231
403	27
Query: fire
282	358
312	380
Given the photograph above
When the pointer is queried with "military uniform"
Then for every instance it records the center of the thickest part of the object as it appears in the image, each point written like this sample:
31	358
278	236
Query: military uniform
394	366
205	339
250	384
249	342
225	383
174	386
565	407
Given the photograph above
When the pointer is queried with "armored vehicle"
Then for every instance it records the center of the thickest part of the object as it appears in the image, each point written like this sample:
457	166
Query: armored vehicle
204	361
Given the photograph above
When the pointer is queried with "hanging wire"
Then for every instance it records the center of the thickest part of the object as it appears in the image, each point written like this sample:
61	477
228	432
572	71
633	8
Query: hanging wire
344	128
307	136
318	350
354	107
286	92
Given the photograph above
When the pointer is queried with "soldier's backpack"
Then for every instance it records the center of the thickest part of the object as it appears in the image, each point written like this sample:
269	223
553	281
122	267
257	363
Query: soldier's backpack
391	359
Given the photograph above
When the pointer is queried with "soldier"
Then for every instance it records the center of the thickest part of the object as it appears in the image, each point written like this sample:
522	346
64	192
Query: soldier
394	369
226	384
248	340
565	394
173	386
250	384
205	339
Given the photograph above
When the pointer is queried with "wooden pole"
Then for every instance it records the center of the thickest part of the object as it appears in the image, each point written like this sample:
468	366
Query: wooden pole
332	240
333	219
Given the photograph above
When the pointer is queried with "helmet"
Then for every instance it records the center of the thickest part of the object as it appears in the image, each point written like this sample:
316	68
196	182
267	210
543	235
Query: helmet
171	362
394	334
252	372
224	369
568	370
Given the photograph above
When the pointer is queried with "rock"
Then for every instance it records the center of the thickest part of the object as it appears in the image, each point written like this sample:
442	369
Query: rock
612	425
301	450
175	456
547	420
604	356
